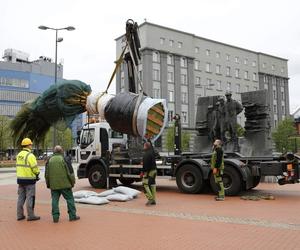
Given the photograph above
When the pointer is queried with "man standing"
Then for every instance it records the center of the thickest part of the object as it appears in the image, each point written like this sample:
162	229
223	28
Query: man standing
217	166
27	175
59	176
149	173
232	109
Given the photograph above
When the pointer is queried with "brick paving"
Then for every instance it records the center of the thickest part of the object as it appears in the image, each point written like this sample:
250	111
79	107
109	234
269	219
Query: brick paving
179	221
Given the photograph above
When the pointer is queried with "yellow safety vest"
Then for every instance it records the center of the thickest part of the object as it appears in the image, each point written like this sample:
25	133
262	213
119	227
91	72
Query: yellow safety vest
27	169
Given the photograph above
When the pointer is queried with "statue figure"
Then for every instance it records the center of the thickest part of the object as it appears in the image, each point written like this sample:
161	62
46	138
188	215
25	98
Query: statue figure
210	120
221	119
232	109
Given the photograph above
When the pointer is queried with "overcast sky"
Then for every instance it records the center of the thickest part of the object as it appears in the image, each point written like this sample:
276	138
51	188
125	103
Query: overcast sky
88	53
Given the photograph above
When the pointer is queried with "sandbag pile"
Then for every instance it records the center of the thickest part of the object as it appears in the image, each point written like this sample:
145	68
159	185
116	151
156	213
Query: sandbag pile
120	193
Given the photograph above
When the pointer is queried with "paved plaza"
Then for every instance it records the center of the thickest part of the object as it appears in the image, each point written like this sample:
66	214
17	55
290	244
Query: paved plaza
178	221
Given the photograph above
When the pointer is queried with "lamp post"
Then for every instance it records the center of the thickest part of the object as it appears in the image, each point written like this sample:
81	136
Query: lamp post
57	40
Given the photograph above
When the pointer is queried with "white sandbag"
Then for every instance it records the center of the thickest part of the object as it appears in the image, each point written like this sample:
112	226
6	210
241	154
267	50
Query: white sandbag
95	200
119	197
83	193
106	193
126	190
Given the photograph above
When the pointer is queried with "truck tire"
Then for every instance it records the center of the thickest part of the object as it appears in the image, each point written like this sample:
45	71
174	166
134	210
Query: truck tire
256	181
189	179
231	180
126	181
97	176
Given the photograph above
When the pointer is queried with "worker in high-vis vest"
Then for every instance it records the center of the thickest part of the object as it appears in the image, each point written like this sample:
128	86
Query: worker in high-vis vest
27	175
217	166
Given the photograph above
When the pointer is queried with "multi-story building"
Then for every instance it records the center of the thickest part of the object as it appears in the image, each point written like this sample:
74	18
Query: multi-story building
181	67
22	80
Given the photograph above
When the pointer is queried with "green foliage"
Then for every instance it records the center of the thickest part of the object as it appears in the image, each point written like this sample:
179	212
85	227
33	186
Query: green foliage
185	139
240	130
283	134
63	138
5	138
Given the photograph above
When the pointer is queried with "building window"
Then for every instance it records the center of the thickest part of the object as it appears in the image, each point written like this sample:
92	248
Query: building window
238	88
273	67
245	61
237	73
227	57
275	123
207	68
162	40
197	65
170	59
274	94
246	75
227	71
264	65
219	86
282	95
218	69
171	96
236	59
14	82
170	76
183	62
171	42
228	86
156	75
183	78
198	81
208	83
254	77
275	108
282	70
255	88
197	50
184	116
283	109
170	115
254	63
247	88
156	93
179	45
155	56
184	98
208	52
218	54
266	86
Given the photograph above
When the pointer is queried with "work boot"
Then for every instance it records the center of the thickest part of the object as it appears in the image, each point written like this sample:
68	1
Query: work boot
76	218
33	218
220	198
150	202
21	218
55	220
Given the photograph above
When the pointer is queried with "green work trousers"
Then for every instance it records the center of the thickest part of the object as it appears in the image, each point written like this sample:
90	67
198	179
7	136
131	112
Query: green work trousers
150	185
219	182
68	196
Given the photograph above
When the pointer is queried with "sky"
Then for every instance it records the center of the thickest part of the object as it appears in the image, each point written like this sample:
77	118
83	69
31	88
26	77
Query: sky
88	53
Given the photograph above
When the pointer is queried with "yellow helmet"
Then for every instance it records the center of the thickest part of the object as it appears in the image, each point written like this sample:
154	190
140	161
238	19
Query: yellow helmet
26	142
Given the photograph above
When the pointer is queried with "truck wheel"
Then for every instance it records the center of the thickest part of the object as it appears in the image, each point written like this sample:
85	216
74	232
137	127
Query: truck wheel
231	180
256	181
189	179
126	181
97	176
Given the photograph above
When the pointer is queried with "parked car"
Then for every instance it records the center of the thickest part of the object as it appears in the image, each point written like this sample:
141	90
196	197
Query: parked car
45	156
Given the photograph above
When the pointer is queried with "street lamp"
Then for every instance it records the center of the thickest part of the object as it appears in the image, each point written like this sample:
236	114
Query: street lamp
57	40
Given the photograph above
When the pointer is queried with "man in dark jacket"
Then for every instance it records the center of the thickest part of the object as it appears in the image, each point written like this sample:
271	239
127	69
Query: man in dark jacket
217	166
149	173
59	176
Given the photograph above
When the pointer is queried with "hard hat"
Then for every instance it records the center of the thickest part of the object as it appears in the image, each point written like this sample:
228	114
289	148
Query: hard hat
26	142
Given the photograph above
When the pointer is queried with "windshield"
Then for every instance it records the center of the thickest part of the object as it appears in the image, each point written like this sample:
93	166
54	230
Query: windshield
87	137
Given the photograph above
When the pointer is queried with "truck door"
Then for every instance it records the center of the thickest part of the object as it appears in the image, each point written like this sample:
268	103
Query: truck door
104	141
87	145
